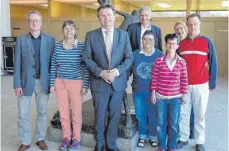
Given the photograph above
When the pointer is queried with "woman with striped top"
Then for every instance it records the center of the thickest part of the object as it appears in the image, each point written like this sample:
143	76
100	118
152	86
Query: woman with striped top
69	78
169	85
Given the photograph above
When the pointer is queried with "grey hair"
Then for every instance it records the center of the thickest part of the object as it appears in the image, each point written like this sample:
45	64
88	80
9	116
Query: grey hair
33	12
145	8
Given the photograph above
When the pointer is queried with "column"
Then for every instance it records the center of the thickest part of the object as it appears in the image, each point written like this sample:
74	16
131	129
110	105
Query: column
5	26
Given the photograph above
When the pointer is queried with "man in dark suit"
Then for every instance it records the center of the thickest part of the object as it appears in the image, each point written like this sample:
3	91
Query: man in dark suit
136	30
31	74
108	55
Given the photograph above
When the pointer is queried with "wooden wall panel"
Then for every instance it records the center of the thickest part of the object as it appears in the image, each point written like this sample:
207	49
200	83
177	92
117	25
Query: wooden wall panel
214	28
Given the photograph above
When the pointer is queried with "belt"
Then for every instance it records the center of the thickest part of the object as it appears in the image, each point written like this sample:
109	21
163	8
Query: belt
37	76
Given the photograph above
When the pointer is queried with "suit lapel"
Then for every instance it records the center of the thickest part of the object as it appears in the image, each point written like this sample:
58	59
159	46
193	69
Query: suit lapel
152	29
115	41
101	41
42	48
139	35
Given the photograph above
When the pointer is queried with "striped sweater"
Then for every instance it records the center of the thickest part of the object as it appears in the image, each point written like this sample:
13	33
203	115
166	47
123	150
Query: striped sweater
68	64
169	83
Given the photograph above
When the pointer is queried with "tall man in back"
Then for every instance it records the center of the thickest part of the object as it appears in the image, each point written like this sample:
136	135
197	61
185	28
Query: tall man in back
136	30
108	55
200	56
31	75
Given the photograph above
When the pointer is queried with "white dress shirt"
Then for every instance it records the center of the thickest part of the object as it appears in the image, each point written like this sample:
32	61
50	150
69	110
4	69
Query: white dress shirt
111	43
143	30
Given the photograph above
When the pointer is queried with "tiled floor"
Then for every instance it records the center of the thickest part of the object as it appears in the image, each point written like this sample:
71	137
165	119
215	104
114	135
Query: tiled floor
216	119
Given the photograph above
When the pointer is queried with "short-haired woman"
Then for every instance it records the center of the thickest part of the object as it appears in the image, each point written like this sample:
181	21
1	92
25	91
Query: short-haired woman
169	86
142	70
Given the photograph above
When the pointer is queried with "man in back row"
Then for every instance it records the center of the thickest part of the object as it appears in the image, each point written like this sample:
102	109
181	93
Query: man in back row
200	56
136	30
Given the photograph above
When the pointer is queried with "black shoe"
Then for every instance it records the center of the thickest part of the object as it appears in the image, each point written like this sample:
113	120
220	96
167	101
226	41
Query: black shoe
23	147
181	144
200	147
42	145
99	149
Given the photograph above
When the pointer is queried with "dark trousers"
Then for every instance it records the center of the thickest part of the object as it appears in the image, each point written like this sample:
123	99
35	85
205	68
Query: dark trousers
108	101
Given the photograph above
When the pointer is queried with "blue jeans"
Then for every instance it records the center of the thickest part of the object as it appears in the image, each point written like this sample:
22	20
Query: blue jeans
24	102
168	111
146	115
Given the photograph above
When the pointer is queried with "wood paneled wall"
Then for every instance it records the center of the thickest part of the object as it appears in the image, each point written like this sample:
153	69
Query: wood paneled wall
214	28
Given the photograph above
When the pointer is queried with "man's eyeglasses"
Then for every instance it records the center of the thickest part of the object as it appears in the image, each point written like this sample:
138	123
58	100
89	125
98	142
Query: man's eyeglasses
146	15
34	21
148	39
173	44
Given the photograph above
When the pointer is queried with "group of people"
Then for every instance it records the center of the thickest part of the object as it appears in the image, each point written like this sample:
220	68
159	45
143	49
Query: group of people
166	87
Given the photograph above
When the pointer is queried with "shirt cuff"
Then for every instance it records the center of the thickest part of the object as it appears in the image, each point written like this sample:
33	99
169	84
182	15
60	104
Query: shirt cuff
117	72
100	75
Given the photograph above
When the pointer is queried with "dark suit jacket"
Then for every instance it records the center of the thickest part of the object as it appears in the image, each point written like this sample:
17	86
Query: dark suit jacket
95	57
24	64
134	31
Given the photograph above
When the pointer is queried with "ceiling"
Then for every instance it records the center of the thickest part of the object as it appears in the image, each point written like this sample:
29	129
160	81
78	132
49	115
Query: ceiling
170	5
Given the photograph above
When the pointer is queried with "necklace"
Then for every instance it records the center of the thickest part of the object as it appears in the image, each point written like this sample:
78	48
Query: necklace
67	46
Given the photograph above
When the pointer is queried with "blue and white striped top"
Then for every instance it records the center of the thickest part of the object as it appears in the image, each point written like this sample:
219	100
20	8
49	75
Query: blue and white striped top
68	64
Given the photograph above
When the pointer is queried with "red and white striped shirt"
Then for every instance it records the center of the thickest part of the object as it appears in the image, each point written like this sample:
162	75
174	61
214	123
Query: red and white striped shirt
167	82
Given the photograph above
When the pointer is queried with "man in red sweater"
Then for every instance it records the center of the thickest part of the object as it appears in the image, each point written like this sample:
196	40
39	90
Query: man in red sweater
199	53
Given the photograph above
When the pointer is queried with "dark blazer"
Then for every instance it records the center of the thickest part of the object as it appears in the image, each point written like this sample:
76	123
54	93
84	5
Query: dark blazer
24	64
95	57
134	31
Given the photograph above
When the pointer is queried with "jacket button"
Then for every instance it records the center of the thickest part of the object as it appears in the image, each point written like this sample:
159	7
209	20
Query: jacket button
34	76
33	66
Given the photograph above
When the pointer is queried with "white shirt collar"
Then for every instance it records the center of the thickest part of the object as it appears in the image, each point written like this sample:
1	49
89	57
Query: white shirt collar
74	45
104	30
147	28
150	54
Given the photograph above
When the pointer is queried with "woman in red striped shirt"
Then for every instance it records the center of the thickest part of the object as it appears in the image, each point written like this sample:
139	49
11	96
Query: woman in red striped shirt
169	85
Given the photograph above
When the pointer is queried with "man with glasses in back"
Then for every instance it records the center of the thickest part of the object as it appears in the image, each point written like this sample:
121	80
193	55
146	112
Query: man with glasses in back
31	75
136	30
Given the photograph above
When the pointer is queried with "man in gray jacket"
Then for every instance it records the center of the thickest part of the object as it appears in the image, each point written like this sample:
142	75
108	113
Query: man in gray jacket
31	74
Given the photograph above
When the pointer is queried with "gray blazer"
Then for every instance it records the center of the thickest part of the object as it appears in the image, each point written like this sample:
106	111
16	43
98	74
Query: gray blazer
24	64
95	57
